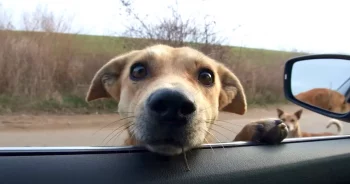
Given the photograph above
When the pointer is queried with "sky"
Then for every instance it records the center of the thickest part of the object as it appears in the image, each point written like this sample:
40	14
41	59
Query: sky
319	73
315	26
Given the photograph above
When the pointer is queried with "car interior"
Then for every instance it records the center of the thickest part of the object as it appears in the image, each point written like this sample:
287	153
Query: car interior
297	160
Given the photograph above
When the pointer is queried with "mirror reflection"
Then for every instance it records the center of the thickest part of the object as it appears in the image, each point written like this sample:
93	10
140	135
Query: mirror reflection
324	83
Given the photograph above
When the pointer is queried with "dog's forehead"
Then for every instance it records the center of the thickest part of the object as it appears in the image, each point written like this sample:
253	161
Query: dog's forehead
179	55
286	115
289	117
159	50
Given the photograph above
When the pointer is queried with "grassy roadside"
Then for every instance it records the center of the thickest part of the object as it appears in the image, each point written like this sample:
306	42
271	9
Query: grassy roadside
66	104
50	72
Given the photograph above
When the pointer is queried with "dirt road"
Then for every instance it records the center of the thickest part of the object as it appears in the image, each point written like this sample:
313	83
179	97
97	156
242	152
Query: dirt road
98	130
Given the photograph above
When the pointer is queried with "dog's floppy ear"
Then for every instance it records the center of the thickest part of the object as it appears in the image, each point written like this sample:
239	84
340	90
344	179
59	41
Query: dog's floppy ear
232	96
298	113
106	83
279	112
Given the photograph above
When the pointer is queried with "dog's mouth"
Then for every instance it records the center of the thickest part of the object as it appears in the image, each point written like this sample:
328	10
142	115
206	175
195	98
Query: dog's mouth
166	141
168	147
167	135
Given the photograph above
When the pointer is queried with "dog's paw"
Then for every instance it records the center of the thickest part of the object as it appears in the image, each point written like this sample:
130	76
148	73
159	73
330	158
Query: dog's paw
270	131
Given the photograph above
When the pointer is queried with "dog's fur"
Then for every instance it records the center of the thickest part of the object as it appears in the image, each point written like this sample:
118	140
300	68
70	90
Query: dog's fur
174	69
326	99
292	122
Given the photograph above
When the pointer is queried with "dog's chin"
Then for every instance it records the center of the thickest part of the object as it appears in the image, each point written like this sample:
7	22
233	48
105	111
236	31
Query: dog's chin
166	149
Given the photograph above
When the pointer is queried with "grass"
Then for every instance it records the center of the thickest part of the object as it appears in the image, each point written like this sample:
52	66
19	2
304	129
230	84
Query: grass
50	72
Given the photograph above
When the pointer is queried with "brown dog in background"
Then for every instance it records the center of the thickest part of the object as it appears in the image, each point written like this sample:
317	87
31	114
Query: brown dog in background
292	122
326	99
171	97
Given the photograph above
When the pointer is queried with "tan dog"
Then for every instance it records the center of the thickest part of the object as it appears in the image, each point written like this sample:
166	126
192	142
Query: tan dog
292	122
326	99
172	96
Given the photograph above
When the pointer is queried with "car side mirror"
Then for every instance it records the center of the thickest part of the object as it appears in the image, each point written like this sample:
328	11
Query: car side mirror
320	83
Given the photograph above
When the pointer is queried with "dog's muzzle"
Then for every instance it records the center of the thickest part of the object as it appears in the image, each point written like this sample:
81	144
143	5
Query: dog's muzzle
167	106
169	121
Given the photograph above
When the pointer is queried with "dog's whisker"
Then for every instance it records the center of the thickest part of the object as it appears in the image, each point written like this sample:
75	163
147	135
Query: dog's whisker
132	134
115	137
222	126
231	123
125	124
230	140
115	132
185	159
109	124
119	133
211	147
225	128
215	138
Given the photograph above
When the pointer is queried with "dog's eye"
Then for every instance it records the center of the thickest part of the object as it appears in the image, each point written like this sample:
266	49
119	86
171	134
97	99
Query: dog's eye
206	77
292	120
283	119
138	71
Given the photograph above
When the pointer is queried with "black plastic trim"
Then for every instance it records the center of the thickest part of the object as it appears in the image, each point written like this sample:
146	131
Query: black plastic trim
22	151
299	162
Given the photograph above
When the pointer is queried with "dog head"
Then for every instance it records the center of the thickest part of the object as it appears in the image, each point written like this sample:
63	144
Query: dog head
291	120
174	94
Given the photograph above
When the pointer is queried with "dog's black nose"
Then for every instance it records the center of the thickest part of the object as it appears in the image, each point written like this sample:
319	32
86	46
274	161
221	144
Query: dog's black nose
170	106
